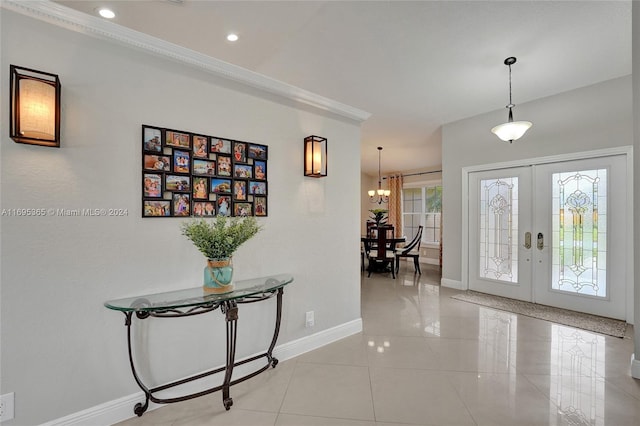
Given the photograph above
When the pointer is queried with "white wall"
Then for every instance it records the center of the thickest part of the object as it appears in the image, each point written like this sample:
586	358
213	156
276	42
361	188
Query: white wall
62	351
590	118
635	366
367	182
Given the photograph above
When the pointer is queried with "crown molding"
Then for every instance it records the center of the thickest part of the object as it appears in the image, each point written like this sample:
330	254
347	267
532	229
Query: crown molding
62	16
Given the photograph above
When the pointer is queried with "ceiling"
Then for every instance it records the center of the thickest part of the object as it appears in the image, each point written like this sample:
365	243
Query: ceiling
414	65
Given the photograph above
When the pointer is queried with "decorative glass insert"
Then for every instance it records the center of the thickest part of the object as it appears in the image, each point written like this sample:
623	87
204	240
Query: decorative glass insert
579	241
499	229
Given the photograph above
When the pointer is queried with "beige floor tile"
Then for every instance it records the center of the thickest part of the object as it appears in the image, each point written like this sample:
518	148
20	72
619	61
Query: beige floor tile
427	359
400	352
502	399
416	397
323	389
233	417
297	420
348	351
585	400
468	355
264	392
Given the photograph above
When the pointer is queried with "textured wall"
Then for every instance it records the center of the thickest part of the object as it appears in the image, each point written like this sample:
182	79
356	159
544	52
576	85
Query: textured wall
62	351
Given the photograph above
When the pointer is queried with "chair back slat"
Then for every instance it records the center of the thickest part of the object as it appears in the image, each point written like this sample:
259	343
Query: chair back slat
415	243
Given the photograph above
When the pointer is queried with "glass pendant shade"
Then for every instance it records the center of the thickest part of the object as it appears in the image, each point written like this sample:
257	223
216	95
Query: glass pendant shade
512	130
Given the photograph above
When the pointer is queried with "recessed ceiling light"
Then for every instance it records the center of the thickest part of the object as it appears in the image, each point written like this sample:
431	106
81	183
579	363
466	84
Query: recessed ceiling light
106	13
232	37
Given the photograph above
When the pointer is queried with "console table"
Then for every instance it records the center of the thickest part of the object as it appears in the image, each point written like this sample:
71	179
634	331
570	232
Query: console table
195	301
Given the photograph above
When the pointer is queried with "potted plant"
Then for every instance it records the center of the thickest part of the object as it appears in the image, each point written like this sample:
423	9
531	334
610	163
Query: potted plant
218	240
379	215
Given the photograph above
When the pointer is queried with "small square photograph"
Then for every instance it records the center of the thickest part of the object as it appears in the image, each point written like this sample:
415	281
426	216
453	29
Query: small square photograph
244	171
178	183
181	205
161	163
224	205
257	188
204	167
200	146
221	186
260	206
222	146
240	190
239	152
224	166
181	161
200	188
151	139
260	168
178	139
242	209
257	152
204	208
158	208
152	185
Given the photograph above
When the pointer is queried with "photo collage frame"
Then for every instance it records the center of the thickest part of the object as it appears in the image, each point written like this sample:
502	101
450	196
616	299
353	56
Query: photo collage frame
187	174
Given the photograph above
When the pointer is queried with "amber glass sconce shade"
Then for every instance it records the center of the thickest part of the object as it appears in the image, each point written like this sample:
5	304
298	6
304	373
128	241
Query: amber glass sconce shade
35	107
315	156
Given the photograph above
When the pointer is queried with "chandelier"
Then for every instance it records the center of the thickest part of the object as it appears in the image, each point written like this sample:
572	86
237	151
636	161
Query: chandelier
380	195
511	130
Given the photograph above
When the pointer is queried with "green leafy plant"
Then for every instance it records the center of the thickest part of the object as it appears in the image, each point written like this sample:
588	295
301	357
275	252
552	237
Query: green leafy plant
220	238
379	215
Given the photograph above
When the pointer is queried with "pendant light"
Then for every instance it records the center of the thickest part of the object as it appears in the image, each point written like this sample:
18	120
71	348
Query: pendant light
382	194
511	130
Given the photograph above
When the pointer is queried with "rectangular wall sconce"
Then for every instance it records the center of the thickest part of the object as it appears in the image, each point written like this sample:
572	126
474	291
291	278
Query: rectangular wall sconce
315	156
35	107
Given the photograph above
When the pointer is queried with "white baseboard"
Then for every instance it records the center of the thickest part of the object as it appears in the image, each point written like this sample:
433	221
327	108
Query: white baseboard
308	343
446	282
121	409
635	367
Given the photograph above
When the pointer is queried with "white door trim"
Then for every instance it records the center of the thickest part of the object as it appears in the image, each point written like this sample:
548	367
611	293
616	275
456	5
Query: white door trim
622	150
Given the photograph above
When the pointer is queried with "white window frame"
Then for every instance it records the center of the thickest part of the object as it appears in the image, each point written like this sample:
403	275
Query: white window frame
423	214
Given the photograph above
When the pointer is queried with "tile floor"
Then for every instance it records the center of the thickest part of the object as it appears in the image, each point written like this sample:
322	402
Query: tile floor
426	359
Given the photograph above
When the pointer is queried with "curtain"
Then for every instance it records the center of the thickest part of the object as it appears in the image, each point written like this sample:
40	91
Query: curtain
395	203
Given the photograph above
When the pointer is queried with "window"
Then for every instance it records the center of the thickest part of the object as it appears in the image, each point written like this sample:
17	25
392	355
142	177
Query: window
422	206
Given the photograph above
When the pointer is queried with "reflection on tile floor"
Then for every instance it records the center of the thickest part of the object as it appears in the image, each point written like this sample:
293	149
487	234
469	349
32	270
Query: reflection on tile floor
426	359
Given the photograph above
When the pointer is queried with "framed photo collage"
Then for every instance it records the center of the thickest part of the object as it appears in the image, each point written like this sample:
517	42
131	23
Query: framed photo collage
188	174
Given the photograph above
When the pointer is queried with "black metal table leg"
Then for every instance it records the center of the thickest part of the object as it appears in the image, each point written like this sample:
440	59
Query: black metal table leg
139	408
276	332
230	308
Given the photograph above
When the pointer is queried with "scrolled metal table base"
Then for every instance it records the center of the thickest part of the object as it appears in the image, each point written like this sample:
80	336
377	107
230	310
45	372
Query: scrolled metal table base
230	309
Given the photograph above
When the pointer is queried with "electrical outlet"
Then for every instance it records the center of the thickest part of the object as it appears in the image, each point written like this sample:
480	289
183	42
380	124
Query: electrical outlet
310	321
6	406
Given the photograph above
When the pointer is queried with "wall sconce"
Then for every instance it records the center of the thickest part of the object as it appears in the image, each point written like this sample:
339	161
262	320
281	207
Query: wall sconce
315	156
35	107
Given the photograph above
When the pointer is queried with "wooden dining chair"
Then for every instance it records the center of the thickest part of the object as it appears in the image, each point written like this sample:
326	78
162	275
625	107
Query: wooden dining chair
382	255
411	250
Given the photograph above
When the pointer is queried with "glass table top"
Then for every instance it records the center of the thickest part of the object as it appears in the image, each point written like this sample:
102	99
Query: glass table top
197	296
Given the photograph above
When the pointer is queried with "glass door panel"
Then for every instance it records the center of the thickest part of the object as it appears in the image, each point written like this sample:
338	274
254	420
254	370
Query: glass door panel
499	262
581	210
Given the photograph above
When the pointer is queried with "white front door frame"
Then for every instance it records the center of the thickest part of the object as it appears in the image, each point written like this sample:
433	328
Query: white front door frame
623	150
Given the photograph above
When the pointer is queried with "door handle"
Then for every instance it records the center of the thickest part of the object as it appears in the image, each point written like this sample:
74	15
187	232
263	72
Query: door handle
540	241
527	240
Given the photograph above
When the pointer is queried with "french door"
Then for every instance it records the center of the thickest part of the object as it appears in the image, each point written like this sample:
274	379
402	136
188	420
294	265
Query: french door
553	234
